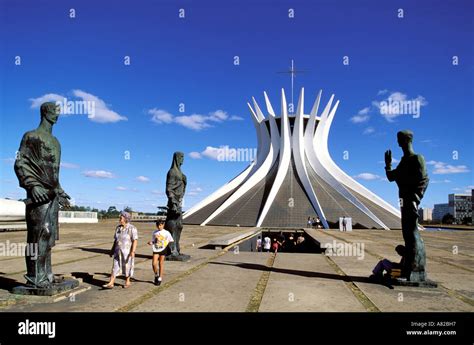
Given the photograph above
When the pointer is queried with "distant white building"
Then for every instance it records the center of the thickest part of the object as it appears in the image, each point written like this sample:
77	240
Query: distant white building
14	211
77	217
426	214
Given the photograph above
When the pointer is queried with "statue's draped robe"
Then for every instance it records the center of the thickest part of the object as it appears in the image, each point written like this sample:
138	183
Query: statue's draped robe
37	164
175	189
412	180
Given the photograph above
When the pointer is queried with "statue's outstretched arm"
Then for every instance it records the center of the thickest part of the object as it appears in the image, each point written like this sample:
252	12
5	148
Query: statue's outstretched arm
391	174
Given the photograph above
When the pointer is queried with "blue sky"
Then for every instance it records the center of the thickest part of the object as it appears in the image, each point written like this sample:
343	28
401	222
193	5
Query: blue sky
190	60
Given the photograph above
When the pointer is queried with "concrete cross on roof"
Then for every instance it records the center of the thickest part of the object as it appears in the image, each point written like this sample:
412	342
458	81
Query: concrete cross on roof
292	71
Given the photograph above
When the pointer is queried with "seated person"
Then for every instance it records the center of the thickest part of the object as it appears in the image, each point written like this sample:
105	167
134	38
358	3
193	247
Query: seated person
300	239
387	265
291	243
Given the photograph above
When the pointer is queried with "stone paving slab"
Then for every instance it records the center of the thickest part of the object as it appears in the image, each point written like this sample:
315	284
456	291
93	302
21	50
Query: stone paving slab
306	282
224	285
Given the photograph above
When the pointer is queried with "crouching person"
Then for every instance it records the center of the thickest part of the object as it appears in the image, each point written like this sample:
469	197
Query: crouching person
388	266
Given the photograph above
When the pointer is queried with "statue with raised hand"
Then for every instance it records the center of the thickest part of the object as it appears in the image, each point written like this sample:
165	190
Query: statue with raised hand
175	189
37	168
412	180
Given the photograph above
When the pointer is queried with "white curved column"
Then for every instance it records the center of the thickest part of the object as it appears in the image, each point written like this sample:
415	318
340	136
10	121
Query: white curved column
320	169
264	139
326	160
285	158
300	161
263	147
259	173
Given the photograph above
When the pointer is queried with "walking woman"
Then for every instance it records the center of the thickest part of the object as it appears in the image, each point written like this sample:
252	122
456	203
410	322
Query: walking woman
123	250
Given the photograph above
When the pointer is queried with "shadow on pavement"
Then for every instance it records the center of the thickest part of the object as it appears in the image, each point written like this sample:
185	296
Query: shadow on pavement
107	252
8	284
89	279
308	274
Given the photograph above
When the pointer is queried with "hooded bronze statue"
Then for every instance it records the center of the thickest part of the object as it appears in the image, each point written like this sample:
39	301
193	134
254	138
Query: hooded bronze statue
175	189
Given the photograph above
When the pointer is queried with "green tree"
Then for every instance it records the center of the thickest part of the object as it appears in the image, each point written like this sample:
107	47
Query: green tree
112	212
447	219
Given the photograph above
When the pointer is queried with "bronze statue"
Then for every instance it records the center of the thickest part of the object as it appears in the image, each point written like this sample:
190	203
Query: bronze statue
412	180
175	189
37	169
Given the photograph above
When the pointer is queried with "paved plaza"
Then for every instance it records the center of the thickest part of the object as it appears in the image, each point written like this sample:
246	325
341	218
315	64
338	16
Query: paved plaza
226	280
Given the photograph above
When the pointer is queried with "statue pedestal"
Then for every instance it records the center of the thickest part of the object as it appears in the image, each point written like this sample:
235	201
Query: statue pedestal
60	285
424	283
180	257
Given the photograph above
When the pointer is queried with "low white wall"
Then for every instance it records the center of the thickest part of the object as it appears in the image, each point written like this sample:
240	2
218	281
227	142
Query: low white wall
12	210
77	217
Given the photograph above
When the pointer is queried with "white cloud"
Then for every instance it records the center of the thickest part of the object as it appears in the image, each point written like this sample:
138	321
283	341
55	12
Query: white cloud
362	116
160	116
102	113
392	105
66	165
218	116
195	122
195	191
369	130
398	103
49	97
440	181
367	177
121	188
98	174
195	155
444	168
157	192
142	179
465	190
211	152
